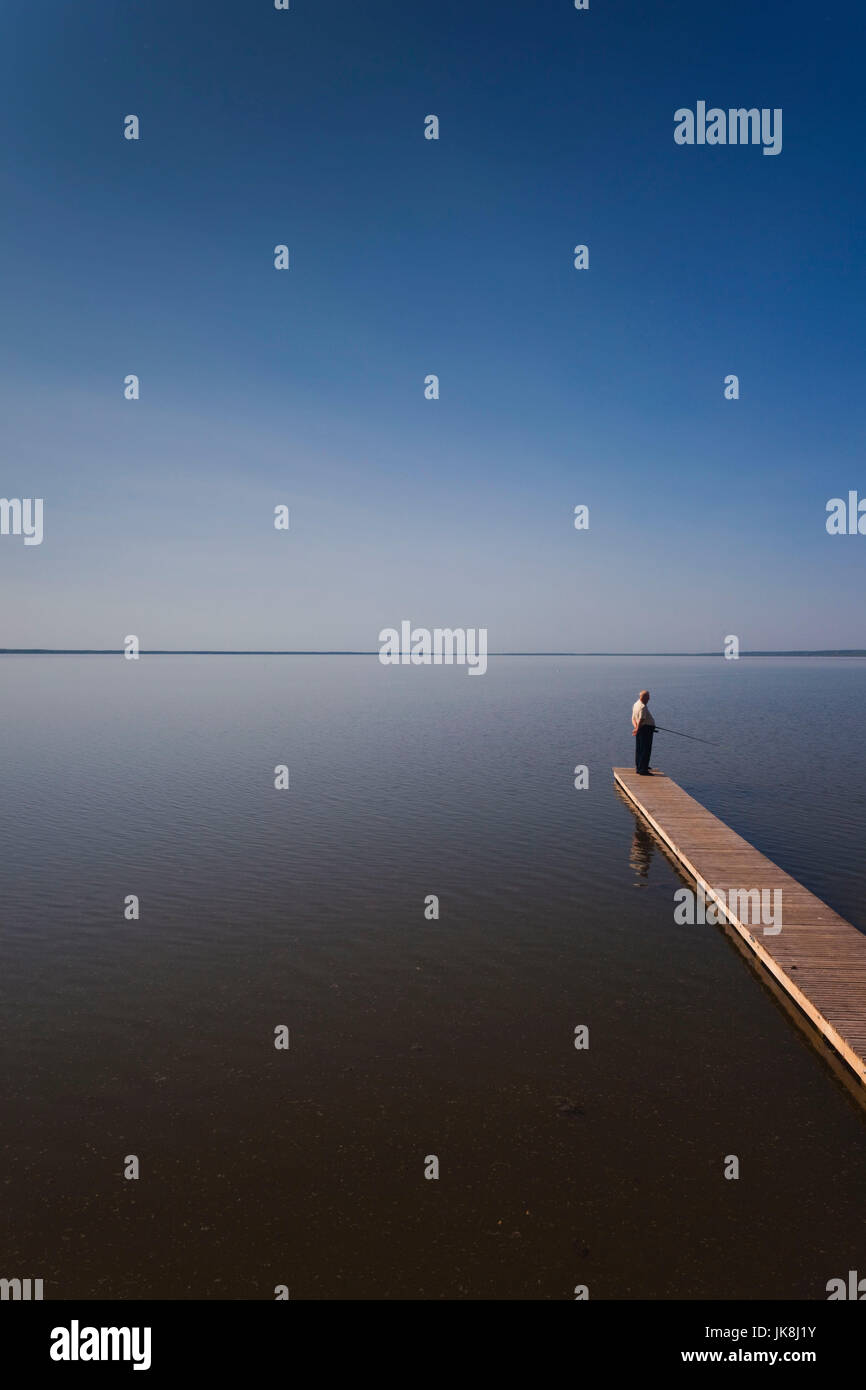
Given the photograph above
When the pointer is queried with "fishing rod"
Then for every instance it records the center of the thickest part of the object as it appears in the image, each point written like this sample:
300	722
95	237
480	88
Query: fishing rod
689	736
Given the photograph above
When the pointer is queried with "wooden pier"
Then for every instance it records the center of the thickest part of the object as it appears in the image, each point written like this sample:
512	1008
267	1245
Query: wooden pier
818	958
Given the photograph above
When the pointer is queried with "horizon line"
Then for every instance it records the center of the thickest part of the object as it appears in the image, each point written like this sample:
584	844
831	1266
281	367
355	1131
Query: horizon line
253	651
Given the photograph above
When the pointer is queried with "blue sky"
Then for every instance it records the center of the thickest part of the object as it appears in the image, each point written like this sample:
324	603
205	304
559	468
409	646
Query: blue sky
410	257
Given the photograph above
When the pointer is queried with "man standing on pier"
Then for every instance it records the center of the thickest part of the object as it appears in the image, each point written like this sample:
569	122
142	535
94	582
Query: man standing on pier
643	727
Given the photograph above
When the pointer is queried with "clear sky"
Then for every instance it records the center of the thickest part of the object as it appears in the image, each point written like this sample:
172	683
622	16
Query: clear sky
411	256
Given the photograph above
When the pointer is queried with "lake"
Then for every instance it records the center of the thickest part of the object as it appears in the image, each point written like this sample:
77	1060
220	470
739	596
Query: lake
412	1037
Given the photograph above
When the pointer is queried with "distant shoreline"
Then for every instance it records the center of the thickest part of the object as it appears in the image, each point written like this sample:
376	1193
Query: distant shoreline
159	651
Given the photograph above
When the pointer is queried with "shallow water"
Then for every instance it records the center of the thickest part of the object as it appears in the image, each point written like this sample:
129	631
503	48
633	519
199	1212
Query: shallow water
412	1037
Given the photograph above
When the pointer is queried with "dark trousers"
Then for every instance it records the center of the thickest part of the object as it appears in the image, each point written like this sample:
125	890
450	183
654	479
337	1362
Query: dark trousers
643	745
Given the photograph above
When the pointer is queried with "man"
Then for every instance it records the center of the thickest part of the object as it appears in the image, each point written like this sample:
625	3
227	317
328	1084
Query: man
642	727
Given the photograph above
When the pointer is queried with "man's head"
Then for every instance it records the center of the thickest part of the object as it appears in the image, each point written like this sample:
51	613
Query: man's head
644	697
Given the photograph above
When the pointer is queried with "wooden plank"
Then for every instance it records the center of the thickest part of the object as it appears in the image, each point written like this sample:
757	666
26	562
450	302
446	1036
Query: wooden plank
817	958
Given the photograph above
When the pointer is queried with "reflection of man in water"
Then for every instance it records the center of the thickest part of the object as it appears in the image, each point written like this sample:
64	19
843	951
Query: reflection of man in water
643	727
642	847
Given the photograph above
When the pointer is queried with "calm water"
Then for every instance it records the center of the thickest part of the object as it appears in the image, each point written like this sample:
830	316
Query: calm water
411	1037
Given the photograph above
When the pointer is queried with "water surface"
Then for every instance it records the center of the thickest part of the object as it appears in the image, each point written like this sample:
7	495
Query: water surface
412	1037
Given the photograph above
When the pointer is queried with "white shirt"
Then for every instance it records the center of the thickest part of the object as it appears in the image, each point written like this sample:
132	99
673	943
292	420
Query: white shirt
640	713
